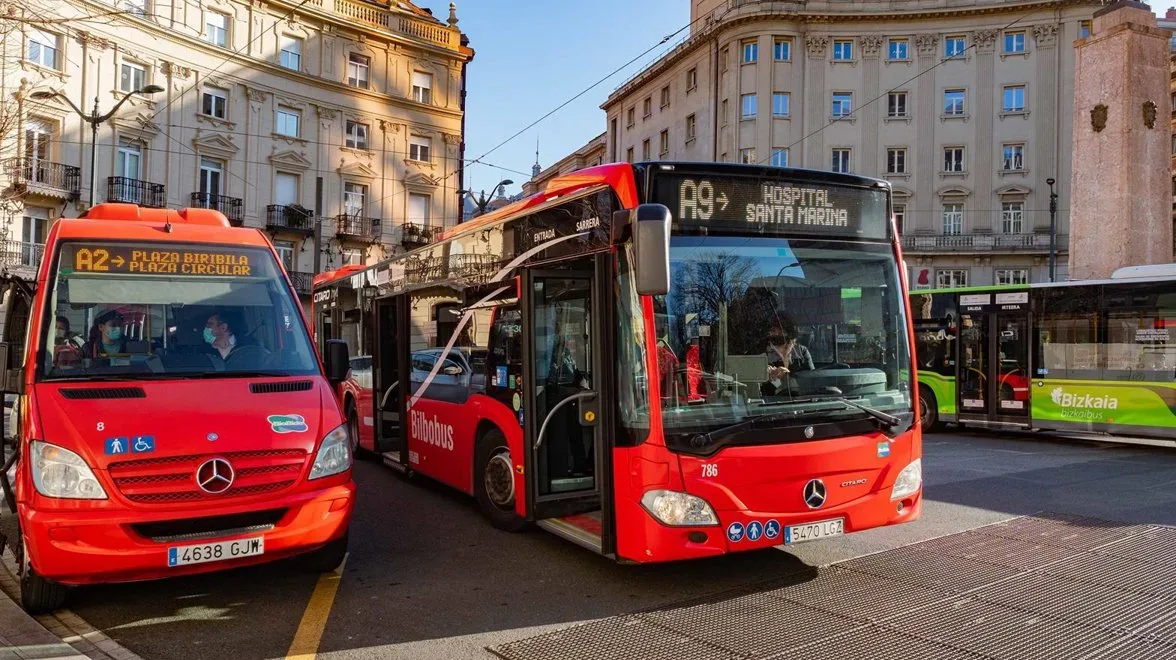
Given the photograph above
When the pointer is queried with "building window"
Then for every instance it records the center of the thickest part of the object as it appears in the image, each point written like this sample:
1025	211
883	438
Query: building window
216	29
1014	42
953	159
285	188
747	104
136	7
422	87
645	155
629	155
896	161
1014	98
419	209
285	250
211	177
779	157
896	104
1084	29
750	52
357	135
782	50
691	127
899	49
128	162
841	161
131	77
747	156
900	216
647	108
953	102
358	68
780	104
954	46
842	50
291	55
287	122
723	57
354	199
665	97
214	103
1011	276
1012	217
724	112
44	49
664	142
953	219
631	118
950	279
419	148
38	141
1014	158
691	79
842	104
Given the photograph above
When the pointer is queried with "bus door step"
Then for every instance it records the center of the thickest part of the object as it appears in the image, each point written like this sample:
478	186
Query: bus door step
572	484
583	529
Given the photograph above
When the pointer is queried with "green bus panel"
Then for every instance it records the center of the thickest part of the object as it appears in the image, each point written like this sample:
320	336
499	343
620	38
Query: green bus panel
944	389
1097	405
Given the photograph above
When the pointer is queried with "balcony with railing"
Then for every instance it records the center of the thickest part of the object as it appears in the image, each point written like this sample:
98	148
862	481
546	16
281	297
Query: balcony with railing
230	206
291	218
43	177
982	242
133	191
377	16
413	235
357	228
302	282
21	256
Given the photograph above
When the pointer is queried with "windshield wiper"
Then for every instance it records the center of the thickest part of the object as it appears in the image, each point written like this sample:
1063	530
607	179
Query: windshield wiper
237	374
886	419
706	439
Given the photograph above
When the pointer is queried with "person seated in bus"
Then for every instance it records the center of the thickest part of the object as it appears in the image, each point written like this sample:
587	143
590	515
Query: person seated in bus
667	366
224	333
67	349
785	356
106	336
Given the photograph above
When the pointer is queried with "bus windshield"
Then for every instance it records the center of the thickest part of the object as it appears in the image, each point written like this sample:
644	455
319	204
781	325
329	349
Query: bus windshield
167	310
755	326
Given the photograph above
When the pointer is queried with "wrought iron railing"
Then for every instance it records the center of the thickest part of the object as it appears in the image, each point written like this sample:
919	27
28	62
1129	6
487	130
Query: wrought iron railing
415	235
23	170
302	282
230	206
21	254
357	227
1020	242
291	218
133	191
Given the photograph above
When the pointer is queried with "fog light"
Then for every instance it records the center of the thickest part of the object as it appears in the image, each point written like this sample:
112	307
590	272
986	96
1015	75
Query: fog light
696	537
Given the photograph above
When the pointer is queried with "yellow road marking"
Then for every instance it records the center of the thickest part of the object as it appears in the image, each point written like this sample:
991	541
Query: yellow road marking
314	619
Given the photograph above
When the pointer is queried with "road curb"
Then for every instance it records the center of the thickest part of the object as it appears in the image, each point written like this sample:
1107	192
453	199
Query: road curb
60	635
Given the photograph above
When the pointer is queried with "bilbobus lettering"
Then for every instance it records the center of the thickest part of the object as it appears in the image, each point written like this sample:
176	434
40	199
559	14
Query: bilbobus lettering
432	431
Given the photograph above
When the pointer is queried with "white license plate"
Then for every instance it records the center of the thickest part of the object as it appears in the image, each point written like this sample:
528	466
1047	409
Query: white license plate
813	531
181	555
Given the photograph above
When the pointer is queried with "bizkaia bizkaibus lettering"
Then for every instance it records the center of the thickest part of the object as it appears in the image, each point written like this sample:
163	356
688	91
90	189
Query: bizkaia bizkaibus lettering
431	431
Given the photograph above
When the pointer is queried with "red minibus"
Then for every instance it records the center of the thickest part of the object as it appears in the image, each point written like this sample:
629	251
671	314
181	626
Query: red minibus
173	415
656	361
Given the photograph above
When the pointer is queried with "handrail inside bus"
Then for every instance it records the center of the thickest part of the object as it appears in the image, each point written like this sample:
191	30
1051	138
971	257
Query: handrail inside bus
547	420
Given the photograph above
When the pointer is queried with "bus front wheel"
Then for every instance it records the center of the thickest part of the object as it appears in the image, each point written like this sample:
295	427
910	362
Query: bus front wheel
929	409
494	482
37	594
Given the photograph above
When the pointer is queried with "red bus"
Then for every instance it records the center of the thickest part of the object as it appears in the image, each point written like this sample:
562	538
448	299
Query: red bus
173	416
657	361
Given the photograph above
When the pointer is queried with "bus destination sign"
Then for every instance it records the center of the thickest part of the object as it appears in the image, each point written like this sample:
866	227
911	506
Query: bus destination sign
160	260
772	206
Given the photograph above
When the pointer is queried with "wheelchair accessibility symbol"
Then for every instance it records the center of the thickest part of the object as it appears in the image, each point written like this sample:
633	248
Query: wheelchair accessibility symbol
143	444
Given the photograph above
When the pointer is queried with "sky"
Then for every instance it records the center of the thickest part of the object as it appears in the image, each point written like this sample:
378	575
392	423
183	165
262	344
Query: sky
533	55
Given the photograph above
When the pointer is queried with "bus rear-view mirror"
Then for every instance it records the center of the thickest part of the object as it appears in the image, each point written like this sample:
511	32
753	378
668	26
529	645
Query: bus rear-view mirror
651	247
336	360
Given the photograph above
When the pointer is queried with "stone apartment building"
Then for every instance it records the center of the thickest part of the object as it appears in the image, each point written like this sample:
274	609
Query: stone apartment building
334	125
966	106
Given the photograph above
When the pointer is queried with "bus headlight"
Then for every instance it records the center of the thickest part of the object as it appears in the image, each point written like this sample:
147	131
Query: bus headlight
58	472
334	456
909	480
678	509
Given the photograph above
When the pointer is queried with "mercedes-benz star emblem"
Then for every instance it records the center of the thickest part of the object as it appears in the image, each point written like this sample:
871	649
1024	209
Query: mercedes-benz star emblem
814	493
216	475
809	432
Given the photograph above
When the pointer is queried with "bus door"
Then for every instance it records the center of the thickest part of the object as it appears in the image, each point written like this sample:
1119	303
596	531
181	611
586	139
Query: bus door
566	458
1009	374
974	402
389	356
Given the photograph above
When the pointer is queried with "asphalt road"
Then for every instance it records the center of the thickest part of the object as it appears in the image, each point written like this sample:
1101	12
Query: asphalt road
428	578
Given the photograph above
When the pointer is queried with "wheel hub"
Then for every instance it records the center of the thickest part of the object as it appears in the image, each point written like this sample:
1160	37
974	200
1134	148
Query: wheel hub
500	479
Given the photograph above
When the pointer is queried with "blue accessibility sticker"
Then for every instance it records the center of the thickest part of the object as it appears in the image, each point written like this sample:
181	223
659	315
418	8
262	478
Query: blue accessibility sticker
735	532
500	379
754	530
772	528
883	449
287	423
142	444
115	446
173	556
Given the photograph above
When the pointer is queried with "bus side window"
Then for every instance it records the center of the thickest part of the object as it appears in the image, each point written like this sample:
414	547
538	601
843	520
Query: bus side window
15	334
505	358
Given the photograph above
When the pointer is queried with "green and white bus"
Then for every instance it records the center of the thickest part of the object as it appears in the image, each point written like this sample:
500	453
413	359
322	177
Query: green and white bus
1087	356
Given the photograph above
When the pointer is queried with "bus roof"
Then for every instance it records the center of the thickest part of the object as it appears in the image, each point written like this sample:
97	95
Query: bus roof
1148	270
339	273
1141	279
130	222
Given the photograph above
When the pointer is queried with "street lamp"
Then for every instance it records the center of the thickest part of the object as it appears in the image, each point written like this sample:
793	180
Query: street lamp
94	120
484	201
1053	226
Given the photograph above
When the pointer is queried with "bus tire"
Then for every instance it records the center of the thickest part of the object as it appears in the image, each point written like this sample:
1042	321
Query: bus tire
494	481
328	557
38	595
929	409
357	450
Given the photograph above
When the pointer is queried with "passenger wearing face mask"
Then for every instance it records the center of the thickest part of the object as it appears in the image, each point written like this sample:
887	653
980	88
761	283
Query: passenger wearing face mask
106	336
67	348
223	334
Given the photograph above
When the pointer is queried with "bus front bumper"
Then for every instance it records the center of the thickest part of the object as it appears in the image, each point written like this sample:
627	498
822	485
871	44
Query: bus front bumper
103	546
